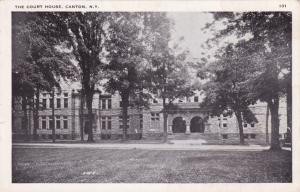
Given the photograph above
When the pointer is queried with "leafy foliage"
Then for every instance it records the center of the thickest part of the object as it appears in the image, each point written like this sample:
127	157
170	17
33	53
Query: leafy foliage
264	53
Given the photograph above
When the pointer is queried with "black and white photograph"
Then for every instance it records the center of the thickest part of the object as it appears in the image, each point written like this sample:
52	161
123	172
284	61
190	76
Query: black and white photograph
147	97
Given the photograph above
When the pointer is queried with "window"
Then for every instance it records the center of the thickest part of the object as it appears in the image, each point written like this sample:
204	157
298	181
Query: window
155	101
224	124
252	136
51	102
141	121
58	103
121	103
245	124
103	122
44	94
44	103
224	136
155	116
121	122
109	123
196	99
155	123
57	122
180	101
246	136
106	122
44	123
51	125
65	122
252	124
65	102
65	94
109	104
103	101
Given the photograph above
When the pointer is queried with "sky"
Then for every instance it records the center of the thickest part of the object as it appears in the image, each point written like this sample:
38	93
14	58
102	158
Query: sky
189	25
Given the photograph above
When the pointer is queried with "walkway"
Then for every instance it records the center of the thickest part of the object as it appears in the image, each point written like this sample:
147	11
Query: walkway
166	146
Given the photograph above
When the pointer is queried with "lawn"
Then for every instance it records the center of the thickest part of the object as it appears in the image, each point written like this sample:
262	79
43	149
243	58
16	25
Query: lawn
75	165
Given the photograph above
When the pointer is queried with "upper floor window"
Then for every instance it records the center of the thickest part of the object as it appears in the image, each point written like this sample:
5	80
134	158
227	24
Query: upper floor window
44	103
51	102
106	103
103	101
155	116
155	101
245	124
196	99
109	104
58	104
66	94
66	103
252	125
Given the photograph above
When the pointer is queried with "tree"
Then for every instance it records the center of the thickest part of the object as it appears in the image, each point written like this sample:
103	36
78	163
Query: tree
269	47
168	72
226	91
84	34
126	59
38	64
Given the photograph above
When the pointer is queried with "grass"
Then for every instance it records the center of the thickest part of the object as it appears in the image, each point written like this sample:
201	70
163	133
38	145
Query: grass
75	165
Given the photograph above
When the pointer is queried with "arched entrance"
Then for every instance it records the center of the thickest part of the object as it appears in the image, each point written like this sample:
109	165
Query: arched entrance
179	125
197	125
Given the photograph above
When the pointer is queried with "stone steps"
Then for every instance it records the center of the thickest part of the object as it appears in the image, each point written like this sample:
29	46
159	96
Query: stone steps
193	136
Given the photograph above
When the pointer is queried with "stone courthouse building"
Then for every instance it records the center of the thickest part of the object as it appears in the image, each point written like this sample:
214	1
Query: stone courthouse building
188	121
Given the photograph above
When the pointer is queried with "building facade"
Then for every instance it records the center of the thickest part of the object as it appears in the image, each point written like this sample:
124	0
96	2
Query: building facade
188	121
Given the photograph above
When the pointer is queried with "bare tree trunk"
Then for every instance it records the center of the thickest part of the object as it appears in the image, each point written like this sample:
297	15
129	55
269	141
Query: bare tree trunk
12	114
125	104
267	125
165	119
36	114
53	118
89	102
25	120
274	108
82	100
289	105
240	125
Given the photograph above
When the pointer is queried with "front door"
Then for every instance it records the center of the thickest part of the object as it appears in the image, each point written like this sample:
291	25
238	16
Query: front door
179	125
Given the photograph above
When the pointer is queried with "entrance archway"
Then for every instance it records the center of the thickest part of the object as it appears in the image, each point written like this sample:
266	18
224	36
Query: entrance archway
179	125
197	125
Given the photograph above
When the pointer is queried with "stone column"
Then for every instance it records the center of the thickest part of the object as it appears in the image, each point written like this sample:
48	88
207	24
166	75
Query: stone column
188	130
170	129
